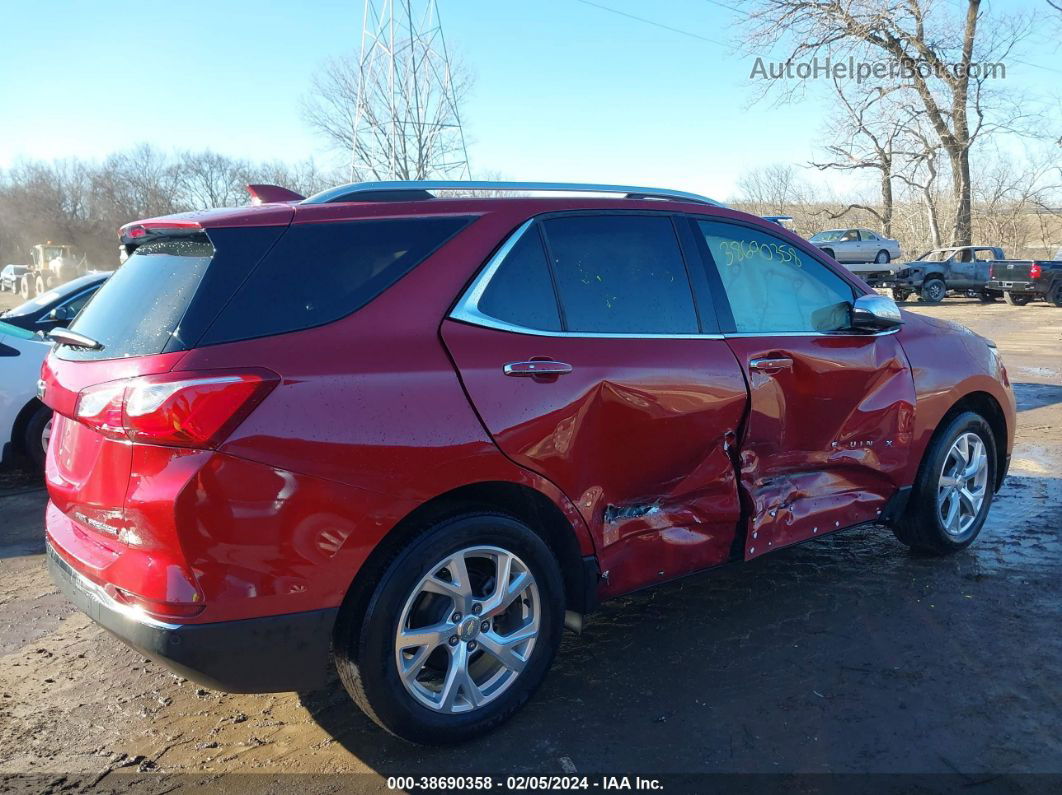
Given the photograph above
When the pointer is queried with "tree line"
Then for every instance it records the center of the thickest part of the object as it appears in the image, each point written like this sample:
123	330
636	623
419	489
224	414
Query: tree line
83	202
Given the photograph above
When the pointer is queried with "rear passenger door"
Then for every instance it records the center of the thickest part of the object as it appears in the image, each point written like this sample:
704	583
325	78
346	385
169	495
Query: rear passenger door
963	269
831	415
589	347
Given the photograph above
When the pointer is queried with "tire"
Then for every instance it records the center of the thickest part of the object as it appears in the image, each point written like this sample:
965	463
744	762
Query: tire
900	295
828	252
366	647
1016	299
36	434
1056	295
933	291
39	285
882	258
26	288
986	298
922	526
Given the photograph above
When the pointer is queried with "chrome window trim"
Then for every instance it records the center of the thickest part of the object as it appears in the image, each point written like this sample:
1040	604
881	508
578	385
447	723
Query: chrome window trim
467	308
742	334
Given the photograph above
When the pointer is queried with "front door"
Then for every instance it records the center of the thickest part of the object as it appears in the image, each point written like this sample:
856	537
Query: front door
620	392
831	412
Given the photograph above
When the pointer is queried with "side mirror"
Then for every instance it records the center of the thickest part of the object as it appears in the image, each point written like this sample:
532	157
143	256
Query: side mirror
875	313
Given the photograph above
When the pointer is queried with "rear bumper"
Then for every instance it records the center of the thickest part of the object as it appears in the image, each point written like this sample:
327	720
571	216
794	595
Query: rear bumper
1021	287
256	655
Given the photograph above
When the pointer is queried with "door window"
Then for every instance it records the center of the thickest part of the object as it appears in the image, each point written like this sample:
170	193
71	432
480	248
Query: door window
75	305
772	286
621	274
521	290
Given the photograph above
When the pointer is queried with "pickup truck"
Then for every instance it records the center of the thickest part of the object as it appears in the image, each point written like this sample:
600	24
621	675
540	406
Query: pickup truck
961	269
1022	281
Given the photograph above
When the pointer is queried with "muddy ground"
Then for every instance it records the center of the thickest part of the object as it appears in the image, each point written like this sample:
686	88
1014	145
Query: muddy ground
848	654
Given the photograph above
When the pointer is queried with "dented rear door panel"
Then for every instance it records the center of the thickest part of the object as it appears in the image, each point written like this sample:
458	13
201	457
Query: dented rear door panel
637	435
828	440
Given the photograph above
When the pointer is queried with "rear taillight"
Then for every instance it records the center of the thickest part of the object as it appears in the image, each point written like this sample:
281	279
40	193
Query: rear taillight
1035	271
177	409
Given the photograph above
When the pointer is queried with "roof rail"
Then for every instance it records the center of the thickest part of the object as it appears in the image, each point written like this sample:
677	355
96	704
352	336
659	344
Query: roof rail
419	189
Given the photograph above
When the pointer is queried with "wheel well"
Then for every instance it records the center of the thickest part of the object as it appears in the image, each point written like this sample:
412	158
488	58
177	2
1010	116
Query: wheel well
933	275
532	507
988	407
18	430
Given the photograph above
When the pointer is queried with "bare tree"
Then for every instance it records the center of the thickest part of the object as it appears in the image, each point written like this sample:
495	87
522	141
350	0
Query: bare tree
942	61
409	125
82	203
208	179
771	190
871	128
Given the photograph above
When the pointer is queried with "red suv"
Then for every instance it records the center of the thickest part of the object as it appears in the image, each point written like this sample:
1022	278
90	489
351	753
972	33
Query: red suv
413	437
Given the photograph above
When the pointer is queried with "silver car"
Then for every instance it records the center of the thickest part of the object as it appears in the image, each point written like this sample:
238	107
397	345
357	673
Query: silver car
857	245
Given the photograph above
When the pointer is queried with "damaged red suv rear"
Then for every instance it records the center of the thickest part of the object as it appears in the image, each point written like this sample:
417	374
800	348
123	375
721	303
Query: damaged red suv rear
409	437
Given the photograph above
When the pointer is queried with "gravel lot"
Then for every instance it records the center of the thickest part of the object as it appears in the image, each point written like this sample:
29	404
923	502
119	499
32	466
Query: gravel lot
847	655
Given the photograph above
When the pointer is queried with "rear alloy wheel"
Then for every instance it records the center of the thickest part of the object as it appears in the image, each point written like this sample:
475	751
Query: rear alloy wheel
933	291
1016	299
882	258
953	493
486	646
459	632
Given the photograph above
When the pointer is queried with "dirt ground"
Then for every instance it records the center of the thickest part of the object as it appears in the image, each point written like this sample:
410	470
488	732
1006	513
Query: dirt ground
846	655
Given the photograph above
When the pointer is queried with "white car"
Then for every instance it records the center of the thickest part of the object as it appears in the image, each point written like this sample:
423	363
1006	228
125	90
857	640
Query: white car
25	422
857	246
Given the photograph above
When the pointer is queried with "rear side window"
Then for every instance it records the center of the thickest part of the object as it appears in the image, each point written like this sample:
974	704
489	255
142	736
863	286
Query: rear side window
318	273
137	310
521	290
621	274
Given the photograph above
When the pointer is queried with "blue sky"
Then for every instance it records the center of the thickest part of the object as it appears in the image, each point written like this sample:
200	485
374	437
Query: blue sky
564	90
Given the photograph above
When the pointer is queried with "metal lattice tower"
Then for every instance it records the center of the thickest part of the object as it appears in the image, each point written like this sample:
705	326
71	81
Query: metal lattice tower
407	124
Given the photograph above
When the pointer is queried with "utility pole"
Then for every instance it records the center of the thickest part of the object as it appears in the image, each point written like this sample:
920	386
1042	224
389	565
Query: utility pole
404	72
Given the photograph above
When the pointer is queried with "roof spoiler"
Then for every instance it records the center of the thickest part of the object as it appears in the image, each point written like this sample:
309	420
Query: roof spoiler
268	194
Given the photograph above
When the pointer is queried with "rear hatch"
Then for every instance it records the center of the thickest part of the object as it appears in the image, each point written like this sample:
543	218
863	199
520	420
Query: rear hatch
136	428
124	441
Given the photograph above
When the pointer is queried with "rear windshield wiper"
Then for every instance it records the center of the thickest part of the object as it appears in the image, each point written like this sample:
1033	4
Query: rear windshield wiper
67	337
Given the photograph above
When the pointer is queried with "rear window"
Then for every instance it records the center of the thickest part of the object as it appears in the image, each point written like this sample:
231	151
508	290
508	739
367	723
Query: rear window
318	273
242	283
137	310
